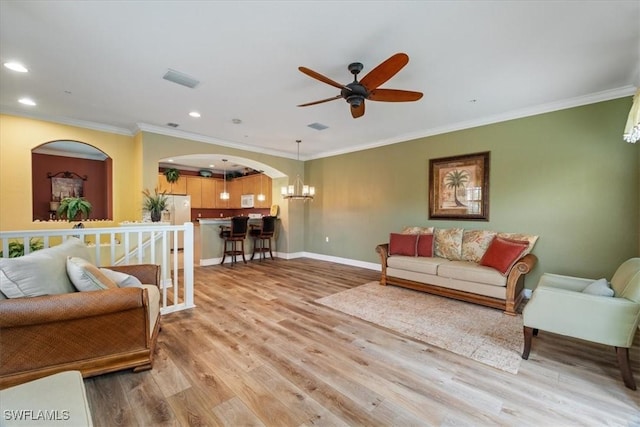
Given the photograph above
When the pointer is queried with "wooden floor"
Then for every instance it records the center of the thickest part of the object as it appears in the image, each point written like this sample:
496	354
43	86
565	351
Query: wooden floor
258	351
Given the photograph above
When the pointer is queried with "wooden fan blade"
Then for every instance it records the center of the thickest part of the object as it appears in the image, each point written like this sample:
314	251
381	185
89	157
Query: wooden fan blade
384	71
358	111
321	101
394	95
322	78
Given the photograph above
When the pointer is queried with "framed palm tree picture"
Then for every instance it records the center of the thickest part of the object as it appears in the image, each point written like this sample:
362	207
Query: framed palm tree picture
459	187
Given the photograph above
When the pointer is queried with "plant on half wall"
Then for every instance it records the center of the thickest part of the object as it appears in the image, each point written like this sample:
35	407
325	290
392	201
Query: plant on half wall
154	203
71	207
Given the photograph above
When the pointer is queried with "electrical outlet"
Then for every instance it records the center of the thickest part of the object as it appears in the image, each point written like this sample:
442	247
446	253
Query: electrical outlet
326	239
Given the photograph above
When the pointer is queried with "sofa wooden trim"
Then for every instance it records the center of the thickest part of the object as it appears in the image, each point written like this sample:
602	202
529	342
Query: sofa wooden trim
514	291
92	332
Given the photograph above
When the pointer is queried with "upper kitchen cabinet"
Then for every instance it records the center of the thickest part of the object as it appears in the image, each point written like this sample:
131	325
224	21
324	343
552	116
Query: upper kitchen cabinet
178	187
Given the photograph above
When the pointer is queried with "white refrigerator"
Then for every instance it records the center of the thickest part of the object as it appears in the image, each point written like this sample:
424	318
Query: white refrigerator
179	208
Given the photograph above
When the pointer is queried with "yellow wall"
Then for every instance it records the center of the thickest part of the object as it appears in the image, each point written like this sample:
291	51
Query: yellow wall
19	135
135	167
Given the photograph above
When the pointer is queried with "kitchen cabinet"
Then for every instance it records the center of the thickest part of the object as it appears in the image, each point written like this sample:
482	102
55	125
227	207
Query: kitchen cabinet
234	187
194	189
178	187
209	194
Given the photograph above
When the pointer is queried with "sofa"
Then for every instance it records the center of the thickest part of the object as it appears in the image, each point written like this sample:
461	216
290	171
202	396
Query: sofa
479	266
59	312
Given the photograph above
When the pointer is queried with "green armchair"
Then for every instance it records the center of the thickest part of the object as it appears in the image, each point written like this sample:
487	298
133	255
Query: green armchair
563	305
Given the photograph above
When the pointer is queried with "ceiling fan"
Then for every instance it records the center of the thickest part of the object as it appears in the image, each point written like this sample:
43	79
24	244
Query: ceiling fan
356	92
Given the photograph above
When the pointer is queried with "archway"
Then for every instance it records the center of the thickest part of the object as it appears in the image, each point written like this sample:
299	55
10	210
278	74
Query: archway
70	168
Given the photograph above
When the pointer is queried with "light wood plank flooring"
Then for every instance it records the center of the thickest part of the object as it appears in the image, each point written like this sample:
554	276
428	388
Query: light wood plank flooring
257	351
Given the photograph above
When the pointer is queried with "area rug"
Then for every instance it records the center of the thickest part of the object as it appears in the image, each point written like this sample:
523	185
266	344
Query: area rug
482	334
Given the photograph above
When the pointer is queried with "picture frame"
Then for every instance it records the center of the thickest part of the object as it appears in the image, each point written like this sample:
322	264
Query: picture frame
459	187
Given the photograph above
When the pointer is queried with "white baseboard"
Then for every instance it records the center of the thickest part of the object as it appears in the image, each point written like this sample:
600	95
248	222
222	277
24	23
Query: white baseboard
346	261
293	255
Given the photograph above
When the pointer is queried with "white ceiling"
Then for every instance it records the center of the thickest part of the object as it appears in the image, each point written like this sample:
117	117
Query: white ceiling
100	64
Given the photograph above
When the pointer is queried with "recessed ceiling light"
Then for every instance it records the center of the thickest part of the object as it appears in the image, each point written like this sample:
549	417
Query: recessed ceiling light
194	114
236	121
170	160
16	66
27	101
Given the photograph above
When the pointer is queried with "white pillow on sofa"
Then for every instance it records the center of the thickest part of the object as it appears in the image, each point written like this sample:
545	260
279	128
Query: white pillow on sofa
599	287
87	277
42	272
123	280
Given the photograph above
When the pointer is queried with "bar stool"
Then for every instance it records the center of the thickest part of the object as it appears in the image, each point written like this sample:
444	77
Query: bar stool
262	234
234	235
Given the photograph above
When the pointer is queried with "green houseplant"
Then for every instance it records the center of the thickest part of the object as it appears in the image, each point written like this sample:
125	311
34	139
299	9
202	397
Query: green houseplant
172	175
16	248
154	203
71	207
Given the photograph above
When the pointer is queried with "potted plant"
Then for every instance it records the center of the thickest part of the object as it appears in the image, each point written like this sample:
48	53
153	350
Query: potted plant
172	175
71	207
154	203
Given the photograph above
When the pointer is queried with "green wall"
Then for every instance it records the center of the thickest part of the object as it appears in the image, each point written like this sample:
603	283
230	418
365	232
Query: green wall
566	176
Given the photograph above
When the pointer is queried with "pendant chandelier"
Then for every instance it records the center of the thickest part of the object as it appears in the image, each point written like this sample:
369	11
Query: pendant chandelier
298	190
224	195
261	196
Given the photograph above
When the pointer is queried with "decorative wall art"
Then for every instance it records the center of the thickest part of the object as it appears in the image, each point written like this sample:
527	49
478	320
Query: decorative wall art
459	187
66	184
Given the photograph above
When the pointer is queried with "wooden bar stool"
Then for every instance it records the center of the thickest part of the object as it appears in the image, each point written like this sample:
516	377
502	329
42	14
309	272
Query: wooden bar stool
262	234
232	236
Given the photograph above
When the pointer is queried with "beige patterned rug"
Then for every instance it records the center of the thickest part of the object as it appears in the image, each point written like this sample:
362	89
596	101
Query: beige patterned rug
482	334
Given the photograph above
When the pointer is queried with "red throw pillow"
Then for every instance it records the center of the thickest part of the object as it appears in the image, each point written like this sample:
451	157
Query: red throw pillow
503	253
402	244
425	245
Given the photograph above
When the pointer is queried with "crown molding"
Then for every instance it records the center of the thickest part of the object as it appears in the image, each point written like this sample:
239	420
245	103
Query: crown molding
145	127
67	121
593	98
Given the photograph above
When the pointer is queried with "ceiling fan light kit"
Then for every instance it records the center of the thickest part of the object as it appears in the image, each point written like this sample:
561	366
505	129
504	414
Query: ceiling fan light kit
355	93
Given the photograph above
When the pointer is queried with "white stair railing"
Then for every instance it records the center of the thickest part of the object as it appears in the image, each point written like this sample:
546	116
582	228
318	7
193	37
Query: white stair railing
130	244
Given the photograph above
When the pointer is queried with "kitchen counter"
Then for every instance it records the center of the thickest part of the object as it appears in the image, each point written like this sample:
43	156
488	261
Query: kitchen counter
212	244
225	220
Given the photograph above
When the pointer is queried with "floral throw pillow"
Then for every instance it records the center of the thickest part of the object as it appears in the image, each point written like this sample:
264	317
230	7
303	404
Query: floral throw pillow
447	243
475	244
417	230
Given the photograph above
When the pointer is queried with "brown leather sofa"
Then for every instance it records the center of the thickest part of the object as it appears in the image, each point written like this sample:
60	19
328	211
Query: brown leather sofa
92	332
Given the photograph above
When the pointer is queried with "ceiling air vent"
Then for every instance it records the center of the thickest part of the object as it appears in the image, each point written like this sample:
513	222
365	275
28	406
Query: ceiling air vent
318	126
181	78
173	125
